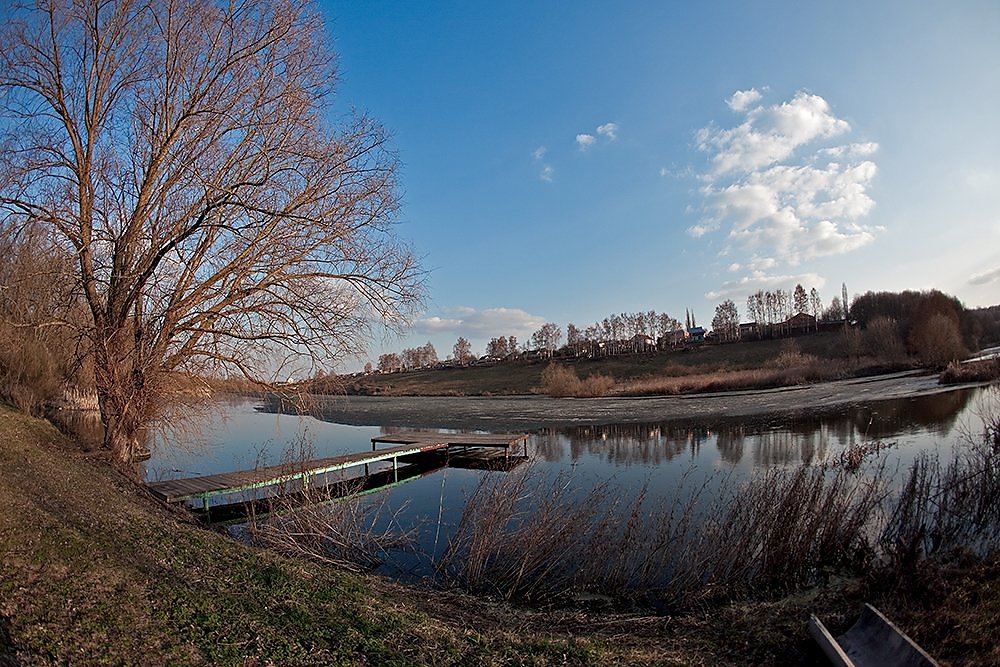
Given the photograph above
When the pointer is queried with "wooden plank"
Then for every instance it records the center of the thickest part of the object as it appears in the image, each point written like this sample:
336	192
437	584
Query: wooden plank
408	446
455	439
229	483
873	641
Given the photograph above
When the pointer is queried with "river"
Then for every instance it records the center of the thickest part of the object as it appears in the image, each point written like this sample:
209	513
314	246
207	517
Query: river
663	458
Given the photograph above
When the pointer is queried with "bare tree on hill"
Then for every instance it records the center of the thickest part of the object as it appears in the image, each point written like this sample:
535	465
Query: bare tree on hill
180	152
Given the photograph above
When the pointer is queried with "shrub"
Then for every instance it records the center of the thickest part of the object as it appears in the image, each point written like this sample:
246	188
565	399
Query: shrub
883	341
937	340
561	381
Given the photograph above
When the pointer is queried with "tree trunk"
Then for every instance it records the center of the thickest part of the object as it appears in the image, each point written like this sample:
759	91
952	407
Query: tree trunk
124	397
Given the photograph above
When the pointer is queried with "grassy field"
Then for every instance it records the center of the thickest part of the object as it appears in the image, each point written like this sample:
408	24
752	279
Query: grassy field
708	367
92	571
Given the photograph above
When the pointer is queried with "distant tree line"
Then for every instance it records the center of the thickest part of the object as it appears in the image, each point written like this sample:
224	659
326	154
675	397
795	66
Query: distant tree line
931	326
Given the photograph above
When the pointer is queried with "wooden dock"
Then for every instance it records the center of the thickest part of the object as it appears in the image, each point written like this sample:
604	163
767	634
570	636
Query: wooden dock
409	446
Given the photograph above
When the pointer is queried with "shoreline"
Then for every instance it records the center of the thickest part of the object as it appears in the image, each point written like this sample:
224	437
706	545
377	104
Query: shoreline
533	413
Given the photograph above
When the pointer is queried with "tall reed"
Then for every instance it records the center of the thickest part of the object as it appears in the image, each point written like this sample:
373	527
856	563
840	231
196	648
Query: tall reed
524	536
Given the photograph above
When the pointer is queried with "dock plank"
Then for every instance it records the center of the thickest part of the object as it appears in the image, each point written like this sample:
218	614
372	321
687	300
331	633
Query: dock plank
408	445
228	483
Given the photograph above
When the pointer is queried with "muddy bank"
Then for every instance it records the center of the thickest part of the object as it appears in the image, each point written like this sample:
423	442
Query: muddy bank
527	413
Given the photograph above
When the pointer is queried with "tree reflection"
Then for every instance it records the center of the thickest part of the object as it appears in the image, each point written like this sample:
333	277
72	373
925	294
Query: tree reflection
772	441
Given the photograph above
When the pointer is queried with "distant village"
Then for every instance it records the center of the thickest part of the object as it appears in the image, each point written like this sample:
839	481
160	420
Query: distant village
775	314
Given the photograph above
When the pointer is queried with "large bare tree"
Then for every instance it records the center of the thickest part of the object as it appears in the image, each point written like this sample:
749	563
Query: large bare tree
182	152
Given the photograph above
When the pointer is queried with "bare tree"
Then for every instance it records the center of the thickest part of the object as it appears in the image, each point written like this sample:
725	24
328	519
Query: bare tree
815	304
390	363
801	300
179	150
726	322
547	337
497	347
463	350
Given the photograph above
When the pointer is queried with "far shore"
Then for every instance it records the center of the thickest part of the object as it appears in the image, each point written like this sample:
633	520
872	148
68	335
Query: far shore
530	413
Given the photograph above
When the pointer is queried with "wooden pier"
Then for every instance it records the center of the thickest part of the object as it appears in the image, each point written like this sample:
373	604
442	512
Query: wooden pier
409	447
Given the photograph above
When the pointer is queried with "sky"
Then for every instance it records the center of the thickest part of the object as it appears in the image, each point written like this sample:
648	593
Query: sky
564	161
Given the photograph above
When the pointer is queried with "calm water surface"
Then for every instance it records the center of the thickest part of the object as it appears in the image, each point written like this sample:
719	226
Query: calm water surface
663	457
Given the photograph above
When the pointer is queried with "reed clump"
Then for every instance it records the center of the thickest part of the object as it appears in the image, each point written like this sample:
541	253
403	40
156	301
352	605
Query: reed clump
326	521
530	537
984	370
525	537
563	382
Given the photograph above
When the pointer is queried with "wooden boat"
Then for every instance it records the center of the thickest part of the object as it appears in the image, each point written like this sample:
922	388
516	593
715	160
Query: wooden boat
872	640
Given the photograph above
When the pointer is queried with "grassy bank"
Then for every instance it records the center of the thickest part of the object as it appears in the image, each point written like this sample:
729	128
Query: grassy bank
94	572
710	367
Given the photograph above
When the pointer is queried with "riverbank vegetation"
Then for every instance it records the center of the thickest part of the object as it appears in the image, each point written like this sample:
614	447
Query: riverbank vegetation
528	536
92	571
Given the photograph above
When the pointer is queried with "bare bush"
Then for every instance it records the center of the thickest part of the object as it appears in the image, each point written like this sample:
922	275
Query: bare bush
983	370
41	353
883	340
562	381
937	340
791	356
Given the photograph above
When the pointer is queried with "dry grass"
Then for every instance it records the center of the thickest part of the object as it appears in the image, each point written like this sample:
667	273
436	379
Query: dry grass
526	537
985	370
562	381
757	378
352	533
946	512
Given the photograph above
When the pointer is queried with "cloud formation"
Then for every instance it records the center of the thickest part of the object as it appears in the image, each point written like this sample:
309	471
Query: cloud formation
741	99
609	130
585	141
548	171
473	323
986	277
779	189
757	280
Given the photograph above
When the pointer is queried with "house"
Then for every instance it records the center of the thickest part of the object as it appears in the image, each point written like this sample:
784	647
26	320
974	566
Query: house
671	339
749	331
695	335
641	343
798	323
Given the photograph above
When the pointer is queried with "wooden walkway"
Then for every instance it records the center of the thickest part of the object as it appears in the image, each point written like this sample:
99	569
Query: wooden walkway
408	445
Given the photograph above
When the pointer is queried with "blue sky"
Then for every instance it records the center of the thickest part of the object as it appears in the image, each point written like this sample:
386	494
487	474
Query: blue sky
563	161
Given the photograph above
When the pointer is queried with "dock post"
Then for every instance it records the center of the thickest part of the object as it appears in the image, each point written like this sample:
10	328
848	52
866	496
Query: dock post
395	469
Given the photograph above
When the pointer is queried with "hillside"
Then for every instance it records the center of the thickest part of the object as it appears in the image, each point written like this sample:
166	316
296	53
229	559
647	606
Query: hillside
524	377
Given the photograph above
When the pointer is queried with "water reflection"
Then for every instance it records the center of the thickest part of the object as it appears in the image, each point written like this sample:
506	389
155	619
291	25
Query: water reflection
768	441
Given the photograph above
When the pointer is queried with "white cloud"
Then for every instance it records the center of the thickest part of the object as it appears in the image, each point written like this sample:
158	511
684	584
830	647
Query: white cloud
756	280
547	173
850	150
609	130
538	153
776	199
770	134
986	277
585	141
474	323
741	99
